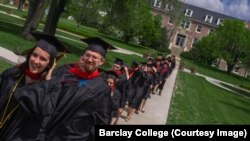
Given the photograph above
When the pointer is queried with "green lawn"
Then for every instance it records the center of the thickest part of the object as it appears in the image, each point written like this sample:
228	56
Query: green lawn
4	65
218	74
196	101
10	29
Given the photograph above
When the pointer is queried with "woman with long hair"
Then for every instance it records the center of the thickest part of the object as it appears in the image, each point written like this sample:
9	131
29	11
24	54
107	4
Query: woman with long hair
39	64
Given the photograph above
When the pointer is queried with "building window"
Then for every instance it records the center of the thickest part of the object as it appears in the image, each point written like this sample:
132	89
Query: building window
168	7
208	18
185	24
219	21
157	3
198	28
194	41
211	30
180	40
188	12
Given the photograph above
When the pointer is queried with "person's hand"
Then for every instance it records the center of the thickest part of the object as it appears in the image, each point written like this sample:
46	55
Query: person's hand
125	68
48	76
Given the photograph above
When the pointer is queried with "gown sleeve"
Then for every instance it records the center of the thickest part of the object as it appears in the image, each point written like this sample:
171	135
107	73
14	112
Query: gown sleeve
38	99
116	99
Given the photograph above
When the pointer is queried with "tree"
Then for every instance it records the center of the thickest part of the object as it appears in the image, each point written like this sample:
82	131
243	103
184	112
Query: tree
89	13
35	13
175	15
206	50
231	40
20	5
234	41
126	16
149	30
245	57
55	11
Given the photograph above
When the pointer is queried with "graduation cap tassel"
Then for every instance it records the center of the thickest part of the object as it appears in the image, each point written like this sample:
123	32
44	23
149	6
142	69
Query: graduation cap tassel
59	57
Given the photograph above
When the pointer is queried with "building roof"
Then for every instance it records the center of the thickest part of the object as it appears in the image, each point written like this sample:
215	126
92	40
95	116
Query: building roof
199	14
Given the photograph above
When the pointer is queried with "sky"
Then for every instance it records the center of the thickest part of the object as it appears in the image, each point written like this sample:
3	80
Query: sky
235	8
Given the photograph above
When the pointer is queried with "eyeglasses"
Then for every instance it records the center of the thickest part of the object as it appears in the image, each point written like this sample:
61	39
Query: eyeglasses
87	56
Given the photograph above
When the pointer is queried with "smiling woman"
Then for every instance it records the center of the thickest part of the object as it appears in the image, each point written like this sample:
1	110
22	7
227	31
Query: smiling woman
39	64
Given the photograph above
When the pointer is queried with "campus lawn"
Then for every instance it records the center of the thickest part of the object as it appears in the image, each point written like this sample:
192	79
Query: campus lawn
3	65
11	39
196	101
83	31
218	74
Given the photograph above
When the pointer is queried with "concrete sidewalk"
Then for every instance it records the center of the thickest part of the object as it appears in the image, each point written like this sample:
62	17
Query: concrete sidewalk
156	109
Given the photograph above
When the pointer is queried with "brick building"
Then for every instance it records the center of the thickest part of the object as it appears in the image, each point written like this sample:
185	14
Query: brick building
196	23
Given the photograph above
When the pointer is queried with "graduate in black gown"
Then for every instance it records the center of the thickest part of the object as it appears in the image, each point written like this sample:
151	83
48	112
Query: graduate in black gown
16	122
121	71
83	100
139	88
112	78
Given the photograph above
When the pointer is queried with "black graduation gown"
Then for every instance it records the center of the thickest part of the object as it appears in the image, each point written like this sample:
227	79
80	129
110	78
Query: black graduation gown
116	98
148	82
76	109
122	86
139	88
22	125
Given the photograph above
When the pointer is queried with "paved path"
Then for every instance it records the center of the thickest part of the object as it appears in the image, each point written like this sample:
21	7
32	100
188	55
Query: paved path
10	57
220	83
156	109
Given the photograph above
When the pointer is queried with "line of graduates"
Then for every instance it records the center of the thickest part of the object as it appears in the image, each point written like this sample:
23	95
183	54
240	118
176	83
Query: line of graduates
42	102
132	86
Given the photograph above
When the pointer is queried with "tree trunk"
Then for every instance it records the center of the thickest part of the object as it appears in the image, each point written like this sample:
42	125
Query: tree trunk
55	11
34	16
230	68
20	5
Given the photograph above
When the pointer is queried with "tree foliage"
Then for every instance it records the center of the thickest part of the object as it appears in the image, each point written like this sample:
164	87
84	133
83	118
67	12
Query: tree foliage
229	41
133	21
87	12
175	14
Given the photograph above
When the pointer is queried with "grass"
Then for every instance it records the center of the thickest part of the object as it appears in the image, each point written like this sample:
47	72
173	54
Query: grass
218	74
84	31
11	27
13	11
196	101
11	39
240	91
4	65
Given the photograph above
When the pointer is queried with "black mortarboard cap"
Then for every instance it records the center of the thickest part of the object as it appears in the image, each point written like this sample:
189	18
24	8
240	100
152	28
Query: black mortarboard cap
49	43
112	74
98	45
159	54
150	59
134	64
118	61
143	63
150	65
